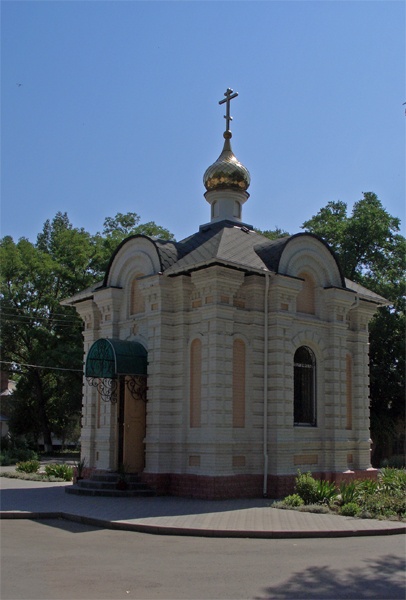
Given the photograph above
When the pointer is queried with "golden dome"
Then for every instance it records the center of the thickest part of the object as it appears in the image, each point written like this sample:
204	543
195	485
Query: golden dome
227	172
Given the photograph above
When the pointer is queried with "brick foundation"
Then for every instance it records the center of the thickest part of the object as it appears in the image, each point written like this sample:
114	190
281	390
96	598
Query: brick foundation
205	487
237	486
351	475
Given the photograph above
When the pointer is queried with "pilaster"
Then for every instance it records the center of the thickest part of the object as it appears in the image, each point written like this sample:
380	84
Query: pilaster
109	302
337	303
90	314
358	318
282	315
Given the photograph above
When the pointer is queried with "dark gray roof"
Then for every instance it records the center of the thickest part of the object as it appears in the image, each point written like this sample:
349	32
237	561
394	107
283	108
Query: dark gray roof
237	245
224	242
365	293
82	295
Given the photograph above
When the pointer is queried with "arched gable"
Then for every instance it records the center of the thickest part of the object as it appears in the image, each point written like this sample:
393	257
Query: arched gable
138	254
308	253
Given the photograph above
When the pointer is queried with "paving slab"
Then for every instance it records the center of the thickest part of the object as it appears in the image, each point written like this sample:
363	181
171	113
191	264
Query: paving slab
180	516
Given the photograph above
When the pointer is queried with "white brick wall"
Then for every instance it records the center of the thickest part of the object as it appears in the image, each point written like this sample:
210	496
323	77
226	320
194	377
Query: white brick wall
232	304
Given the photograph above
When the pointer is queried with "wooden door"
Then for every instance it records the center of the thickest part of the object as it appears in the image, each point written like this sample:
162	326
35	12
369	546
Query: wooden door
134	431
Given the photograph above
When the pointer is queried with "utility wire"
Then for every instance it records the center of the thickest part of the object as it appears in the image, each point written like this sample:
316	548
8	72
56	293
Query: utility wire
34	321
56	314
38	318
6	362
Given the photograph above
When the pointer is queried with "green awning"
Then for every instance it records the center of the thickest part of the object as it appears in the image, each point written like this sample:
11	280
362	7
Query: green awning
107	359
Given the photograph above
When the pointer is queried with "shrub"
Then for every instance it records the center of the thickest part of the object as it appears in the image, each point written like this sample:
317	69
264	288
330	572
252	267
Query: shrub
397	461
5	442
29	476
385	504
29	466
17	449
11	454
314	508
24	454
63	471
392	480
382	499
293	500
367	488
349	492
6	459
326	491
80	467
350	509
306	487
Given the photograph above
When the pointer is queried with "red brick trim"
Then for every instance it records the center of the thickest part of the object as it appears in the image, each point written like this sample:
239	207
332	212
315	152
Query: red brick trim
205	487
237	486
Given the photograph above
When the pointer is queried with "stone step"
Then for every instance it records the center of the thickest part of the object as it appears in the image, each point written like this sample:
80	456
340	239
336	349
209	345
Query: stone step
109	485
110	477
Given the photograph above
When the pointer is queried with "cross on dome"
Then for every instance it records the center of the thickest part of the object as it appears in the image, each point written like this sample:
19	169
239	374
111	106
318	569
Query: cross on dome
226	180
229	95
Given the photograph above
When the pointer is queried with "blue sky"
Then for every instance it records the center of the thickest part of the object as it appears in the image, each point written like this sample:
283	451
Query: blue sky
118	110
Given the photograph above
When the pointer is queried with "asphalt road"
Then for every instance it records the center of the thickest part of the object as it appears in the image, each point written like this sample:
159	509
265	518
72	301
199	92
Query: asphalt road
60	560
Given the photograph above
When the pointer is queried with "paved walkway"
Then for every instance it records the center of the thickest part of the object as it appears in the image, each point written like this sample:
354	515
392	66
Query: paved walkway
180	516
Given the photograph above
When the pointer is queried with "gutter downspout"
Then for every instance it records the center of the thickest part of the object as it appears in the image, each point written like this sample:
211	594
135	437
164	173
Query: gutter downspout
266	352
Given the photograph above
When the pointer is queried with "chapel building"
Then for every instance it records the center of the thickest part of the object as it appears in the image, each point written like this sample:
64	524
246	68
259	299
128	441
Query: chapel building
219	365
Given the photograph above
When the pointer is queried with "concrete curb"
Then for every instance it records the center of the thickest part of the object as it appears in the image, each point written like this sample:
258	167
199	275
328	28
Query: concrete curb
196	532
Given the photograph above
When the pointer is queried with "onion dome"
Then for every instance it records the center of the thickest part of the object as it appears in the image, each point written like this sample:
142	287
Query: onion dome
227	172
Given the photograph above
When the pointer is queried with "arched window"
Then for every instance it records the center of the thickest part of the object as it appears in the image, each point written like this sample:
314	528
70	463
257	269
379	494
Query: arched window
238	383
137	304
304	387
305	301
195	383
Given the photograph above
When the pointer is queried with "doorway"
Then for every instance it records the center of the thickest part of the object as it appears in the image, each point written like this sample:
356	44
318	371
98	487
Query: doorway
132	423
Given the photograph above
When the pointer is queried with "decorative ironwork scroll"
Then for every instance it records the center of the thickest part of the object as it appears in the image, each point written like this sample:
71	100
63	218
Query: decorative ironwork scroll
106	387
137	386
110	362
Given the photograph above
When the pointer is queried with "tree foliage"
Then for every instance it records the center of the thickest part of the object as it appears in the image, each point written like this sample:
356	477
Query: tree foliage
41	340
372	252
368	243
273	234
116	229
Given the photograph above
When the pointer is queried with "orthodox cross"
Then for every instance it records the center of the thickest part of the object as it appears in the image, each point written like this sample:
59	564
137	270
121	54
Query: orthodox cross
228	96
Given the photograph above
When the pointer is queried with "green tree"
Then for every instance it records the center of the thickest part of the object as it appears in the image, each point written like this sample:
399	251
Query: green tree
273	234
41	340
372	252
116	229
